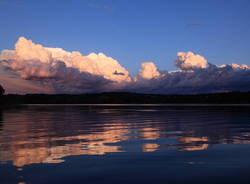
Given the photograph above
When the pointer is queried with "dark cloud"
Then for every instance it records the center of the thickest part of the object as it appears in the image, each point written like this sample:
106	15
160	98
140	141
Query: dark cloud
57	71
200	80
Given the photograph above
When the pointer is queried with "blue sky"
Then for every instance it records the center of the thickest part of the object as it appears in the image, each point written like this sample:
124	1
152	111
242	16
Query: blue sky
133	31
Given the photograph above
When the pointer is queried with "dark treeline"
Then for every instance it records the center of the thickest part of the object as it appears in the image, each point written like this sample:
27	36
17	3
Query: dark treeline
128	98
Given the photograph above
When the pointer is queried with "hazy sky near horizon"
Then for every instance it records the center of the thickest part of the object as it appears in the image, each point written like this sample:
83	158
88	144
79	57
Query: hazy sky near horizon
133	31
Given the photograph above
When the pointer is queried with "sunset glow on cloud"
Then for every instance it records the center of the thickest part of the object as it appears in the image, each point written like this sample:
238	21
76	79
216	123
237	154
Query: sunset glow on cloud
54	70
189	60
34	60
149	71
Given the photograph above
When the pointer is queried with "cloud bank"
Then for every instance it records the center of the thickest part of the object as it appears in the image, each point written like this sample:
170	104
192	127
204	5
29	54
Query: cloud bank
33	68
61	71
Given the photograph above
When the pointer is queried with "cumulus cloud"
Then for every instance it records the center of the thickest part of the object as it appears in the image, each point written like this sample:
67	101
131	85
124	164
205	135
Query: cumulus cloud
67	72
149	71
196	75
235	66
7	55
189	60
97	64
36	68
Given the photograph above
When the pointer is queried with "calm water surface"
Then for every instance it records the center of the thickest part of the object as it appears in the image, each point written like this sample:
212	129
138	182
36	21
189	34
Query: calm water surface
120	144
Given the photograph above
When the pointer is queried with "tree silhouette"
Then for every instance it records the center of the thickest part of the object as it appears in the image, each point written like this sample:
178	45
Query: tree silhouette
1	90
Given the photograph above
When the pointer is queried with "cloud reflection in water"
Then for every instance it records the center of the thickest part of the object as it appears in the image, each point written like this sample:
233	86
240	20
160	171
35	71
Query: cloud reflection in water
36	135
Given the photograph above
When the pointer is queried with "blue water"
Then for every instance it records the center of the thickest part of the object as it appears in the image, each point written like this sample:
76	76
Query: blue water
46	144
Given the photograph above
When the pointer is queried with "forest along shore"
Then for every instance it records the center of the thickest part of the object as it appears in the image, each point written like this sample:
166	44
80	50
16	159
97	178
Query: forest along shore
127	98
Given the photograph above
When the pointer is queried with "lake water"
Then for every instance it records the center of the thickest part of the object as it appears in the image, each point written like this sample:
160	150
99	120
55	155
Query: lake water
46	144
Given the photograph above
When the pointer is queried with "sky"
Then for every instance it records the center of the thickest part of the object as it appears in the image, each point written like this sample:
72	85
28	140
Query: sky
133	31
146	46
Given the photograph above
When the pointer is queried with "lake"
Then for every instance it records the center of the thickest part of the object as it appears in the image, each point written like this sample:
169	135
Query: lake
99	144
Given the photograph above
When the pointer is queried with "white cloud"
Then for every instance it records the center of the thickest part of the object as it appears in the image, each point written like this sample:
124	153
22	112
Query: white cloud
35	55
189	60
67	72
33	68
7	55
149	71
235	66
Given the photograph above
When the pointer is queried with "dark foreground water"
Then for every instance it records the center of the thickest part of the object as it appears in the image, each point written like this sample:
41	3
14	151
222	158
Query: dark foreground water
120	144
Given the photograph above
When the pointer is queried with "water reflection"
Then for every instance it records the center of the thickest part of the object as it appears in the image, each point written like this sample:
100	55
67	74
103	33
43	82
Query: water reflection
150	147
193	143
48	134
149	133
